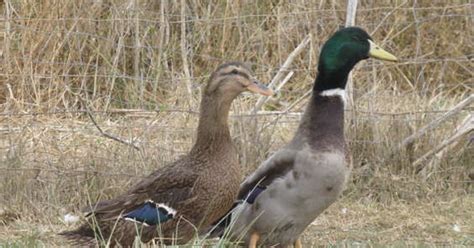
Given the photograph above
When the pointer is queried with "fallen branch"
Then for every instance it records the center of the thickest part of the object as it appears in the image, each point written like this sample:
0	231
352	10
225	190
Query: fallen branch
426	170
438	121
466	126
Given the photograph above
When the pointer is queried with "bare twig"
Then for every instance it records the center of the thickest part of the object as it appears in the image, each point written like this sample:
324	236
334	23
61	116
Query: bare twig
184	50
284	81
282	71
71	171
137	50
115	62
107	135
7	33
386	17
162	53
286	112
438	121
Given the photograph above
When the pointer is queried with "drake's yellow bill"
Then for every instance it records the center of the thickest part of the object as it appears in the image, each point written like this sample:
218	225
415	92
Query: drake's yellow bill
377	52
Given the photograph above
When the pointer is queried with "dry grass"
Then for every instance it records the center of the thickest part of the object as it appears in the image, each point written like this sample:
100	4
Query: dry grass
348	223
124	60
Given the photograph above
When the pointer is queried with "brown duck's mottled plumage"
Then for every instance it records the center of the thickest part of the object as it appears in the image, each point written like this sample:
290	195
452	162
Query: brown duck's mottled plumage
200	186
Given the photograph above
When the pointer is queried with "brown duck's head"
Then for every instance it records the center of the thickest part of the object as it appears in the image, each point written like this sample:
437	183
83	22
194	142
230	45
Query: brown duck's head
234	78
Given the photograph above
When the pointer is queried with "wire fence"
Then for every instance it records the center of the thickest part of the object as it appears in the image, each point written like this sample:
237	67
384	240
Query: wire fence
97	94
126	59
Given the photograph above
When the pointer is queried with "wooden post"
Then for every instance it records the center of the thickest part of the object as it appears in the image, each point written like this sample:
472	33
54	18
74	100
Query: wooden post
351	12
350	21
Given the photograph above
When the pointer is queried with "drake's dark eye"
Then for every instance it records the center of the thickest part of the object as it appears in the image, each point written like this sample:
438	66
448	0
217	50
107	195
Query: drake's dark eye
357	38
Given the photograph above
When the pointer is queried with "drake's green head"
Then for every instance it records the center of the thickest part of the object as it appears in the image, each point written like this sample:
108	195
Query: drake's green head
341	53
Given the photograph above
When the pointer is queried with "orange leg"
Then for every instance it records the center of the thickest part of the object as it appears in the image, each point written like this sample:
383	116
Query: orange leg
298	243
254	240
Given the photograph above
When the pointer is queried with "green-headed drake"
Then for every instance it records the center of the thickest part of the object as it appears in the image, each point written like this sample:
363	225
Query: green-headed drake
289	190
177	200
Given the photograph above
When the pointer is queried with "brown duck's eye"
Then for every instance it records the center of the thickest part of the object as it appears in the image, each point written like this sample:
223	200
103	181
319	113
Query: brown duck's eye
234	71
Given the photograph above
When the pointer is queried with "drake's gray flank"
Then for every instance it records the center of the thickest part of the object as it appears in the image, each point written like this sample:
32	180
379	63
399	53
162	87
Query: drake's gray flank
298	182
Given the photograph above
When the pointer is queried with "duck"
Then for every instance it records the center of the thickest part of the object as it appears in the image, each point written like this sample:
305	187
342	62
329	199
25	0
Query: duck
288	191
171	204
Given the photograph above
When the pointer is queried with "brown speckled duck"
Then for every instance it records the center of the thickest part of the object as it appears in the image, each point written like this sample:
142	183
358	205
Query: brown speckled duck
290	189
175	201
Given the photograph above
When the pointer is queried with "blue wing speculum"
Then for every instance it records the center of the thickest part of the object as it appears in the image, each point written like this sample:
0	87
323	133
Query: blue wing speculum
150	213
254	194
224	222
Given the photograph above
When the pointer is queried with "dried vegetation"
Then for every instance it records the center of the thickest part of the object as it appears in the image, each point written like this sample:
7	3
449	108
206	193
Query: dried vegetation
137	66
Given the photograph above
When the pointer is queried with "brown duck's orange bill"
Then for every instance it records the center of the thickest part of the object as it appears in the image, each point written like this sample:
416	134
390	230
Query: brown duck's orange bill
260	89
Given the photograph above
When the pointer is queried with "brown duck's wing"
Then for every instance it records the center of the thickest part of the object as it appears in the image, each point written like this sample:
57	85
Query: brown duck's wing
274	167
170	186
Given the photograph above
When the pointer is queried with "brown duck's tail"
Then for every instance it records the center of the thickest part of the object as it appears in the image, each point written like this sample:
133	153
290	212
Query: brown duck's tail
219	227
83	236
